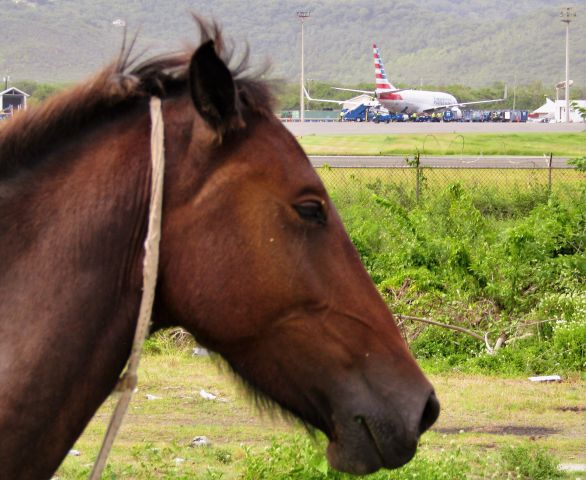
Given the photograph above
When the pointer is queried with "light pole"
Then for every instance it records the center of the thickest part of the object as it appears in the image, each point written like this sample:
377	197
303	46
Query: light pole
302	15
567	14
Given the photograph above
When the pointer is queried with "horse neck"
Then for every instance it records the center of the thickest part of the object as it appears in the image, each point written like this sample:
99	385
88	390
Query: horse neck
72	239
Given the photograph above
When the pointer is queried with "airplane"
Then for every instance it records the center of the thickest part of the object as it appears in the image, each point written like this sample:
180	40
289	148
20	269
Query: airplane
404	100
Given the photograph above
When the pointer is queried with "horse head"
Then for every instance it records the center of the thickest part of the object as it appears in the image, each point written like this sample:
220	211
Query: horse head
254	261
256	264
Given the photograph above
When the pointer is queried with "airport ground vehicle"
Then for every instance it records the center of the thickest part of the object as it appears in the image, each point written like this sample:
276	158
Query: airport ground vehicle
359	114
495	116
368	113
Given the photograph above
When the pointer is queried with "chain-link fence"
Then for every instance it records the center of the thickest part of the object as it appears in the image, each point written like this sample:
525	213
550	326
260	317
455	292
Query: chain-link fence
411	181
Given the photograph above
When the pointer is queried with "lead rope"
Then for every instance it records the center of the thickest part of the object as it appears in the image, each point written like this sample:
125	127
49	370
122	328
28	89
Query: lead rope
127	383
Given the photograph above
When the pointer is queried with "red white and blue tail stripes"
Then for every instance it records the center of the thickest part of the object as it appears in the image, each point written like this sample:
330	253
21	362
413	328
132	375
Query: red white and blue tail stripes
382	83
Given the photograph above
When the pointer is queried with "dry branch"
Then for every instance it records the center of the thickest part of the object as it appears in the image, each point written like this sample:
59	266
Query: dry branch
500	342
443	325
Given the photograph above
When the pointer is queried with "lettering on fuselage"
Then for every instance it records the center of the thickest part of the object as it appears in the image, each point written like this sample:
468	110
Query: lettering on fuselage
438	101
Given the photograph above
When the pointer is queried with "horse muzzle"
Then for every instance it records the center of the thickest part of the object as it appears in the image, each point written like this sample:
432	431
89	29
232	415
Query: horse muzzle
373	435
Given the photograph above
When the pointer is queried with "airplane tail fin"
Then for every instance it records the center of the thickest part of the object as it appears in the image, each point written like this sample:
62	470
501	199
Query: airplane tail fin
382	82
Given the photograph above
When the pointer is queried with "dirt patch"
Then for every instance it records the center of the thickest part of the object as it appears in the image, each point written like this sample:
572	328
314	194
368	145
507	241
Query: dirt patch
571	409
521	431
487	446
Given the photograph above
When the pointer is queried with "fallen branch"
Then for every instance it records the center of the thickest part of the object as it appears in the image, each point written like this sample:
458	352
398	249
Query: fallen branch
489	349
500	342
444	325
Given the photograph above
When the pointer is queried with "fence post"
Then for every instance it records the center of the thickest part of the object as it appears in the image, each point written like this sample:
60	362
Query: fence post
549	174
417	176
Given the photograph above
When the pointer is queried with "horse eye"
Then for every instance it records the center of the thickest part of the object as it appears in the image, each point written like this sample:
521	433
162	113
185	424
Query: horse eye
312	211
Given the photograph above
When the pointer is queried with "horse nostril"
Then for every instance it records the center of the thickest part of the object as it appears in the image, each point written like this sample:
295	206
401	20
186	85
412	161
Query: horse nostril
430	413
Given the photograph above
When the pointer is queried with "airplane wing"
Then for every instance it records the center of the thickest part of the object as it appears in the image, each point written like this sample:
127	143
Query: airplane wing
463	104
339	102
370	92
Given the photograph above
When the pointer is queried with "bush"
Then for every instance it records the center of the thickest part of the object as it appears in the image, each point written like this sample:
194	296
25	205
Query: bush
562	352
168	341
509	256
530	463
531	358
439	342
569	346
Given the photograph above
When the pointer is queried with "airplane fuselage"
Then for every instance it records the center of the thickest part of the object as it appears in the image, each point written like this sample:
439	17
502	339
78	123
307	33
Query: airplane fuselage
406	101
415	101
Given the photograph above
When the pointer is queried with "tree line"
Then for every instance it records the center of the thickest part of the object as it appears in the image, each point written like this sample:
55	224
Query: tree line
528	96
521	97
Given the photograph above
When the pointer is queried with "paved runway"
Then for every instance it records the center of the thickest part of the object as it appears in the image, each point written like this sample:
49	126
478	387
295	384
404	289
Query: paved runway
455	161
354	128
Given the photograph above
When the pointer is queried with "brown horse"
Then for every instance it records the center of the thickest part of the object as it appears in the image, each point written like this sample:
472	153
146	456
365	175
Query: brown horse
254	262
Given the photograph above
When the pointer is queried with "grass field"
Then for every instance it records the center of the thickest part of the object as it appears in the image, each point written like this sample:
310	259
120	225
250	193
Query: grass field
560	144
481	417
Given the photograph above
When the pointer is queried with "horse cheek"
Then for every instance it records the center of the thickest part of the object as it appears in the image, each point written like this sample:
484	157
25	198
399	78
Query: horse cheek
210	277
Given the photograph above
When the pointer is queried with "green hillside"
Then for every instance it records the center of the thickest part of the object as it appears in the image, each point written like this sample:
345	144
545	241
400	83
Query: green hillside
437	42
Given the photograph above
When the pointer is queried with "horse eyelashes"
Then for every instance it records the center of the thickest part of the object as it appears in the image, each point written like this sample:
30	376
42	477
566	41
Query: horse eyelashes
311	211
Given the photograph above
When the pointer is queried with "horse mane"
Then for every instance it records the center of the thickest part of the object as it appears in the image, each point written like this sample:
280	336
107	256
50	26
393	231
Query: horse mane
118	87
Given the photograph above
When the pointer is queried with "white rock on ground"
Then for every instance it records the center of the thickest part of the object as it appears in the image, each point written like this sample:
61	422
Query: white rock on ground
201	441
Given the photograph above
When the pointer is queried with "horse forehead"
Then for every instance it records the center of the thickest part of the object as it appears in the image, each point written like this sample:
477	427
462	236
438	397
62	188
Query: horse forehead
277	151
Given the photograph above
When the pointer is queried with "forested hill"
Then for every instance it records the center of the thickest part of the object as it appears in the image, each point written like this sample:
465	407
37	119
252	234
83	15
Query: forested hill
474	42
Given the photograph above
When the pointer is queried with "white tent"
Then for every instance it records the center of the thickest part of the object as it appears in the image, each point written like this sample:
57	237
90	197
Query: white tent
556	111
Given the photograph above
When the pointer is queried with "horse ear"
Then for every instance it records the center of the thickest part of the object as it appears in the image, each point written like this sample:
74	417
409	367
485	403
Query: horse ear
212	87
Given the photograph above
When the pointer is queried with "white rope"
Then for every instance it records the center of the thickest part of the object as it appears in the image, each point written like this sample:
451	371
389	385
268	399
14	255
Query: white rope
127	382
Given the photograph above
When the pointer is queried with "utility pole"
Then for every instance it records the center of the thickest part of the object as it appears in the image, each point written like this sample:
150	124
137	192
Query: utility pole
567	14
302	15
515	92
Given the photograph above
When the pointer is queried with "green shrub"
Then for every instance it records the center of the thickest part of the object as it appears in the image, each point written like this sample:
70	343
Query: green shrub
168	341
530	463
513	256
569	346
564	351
440	342
579	163
530	358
